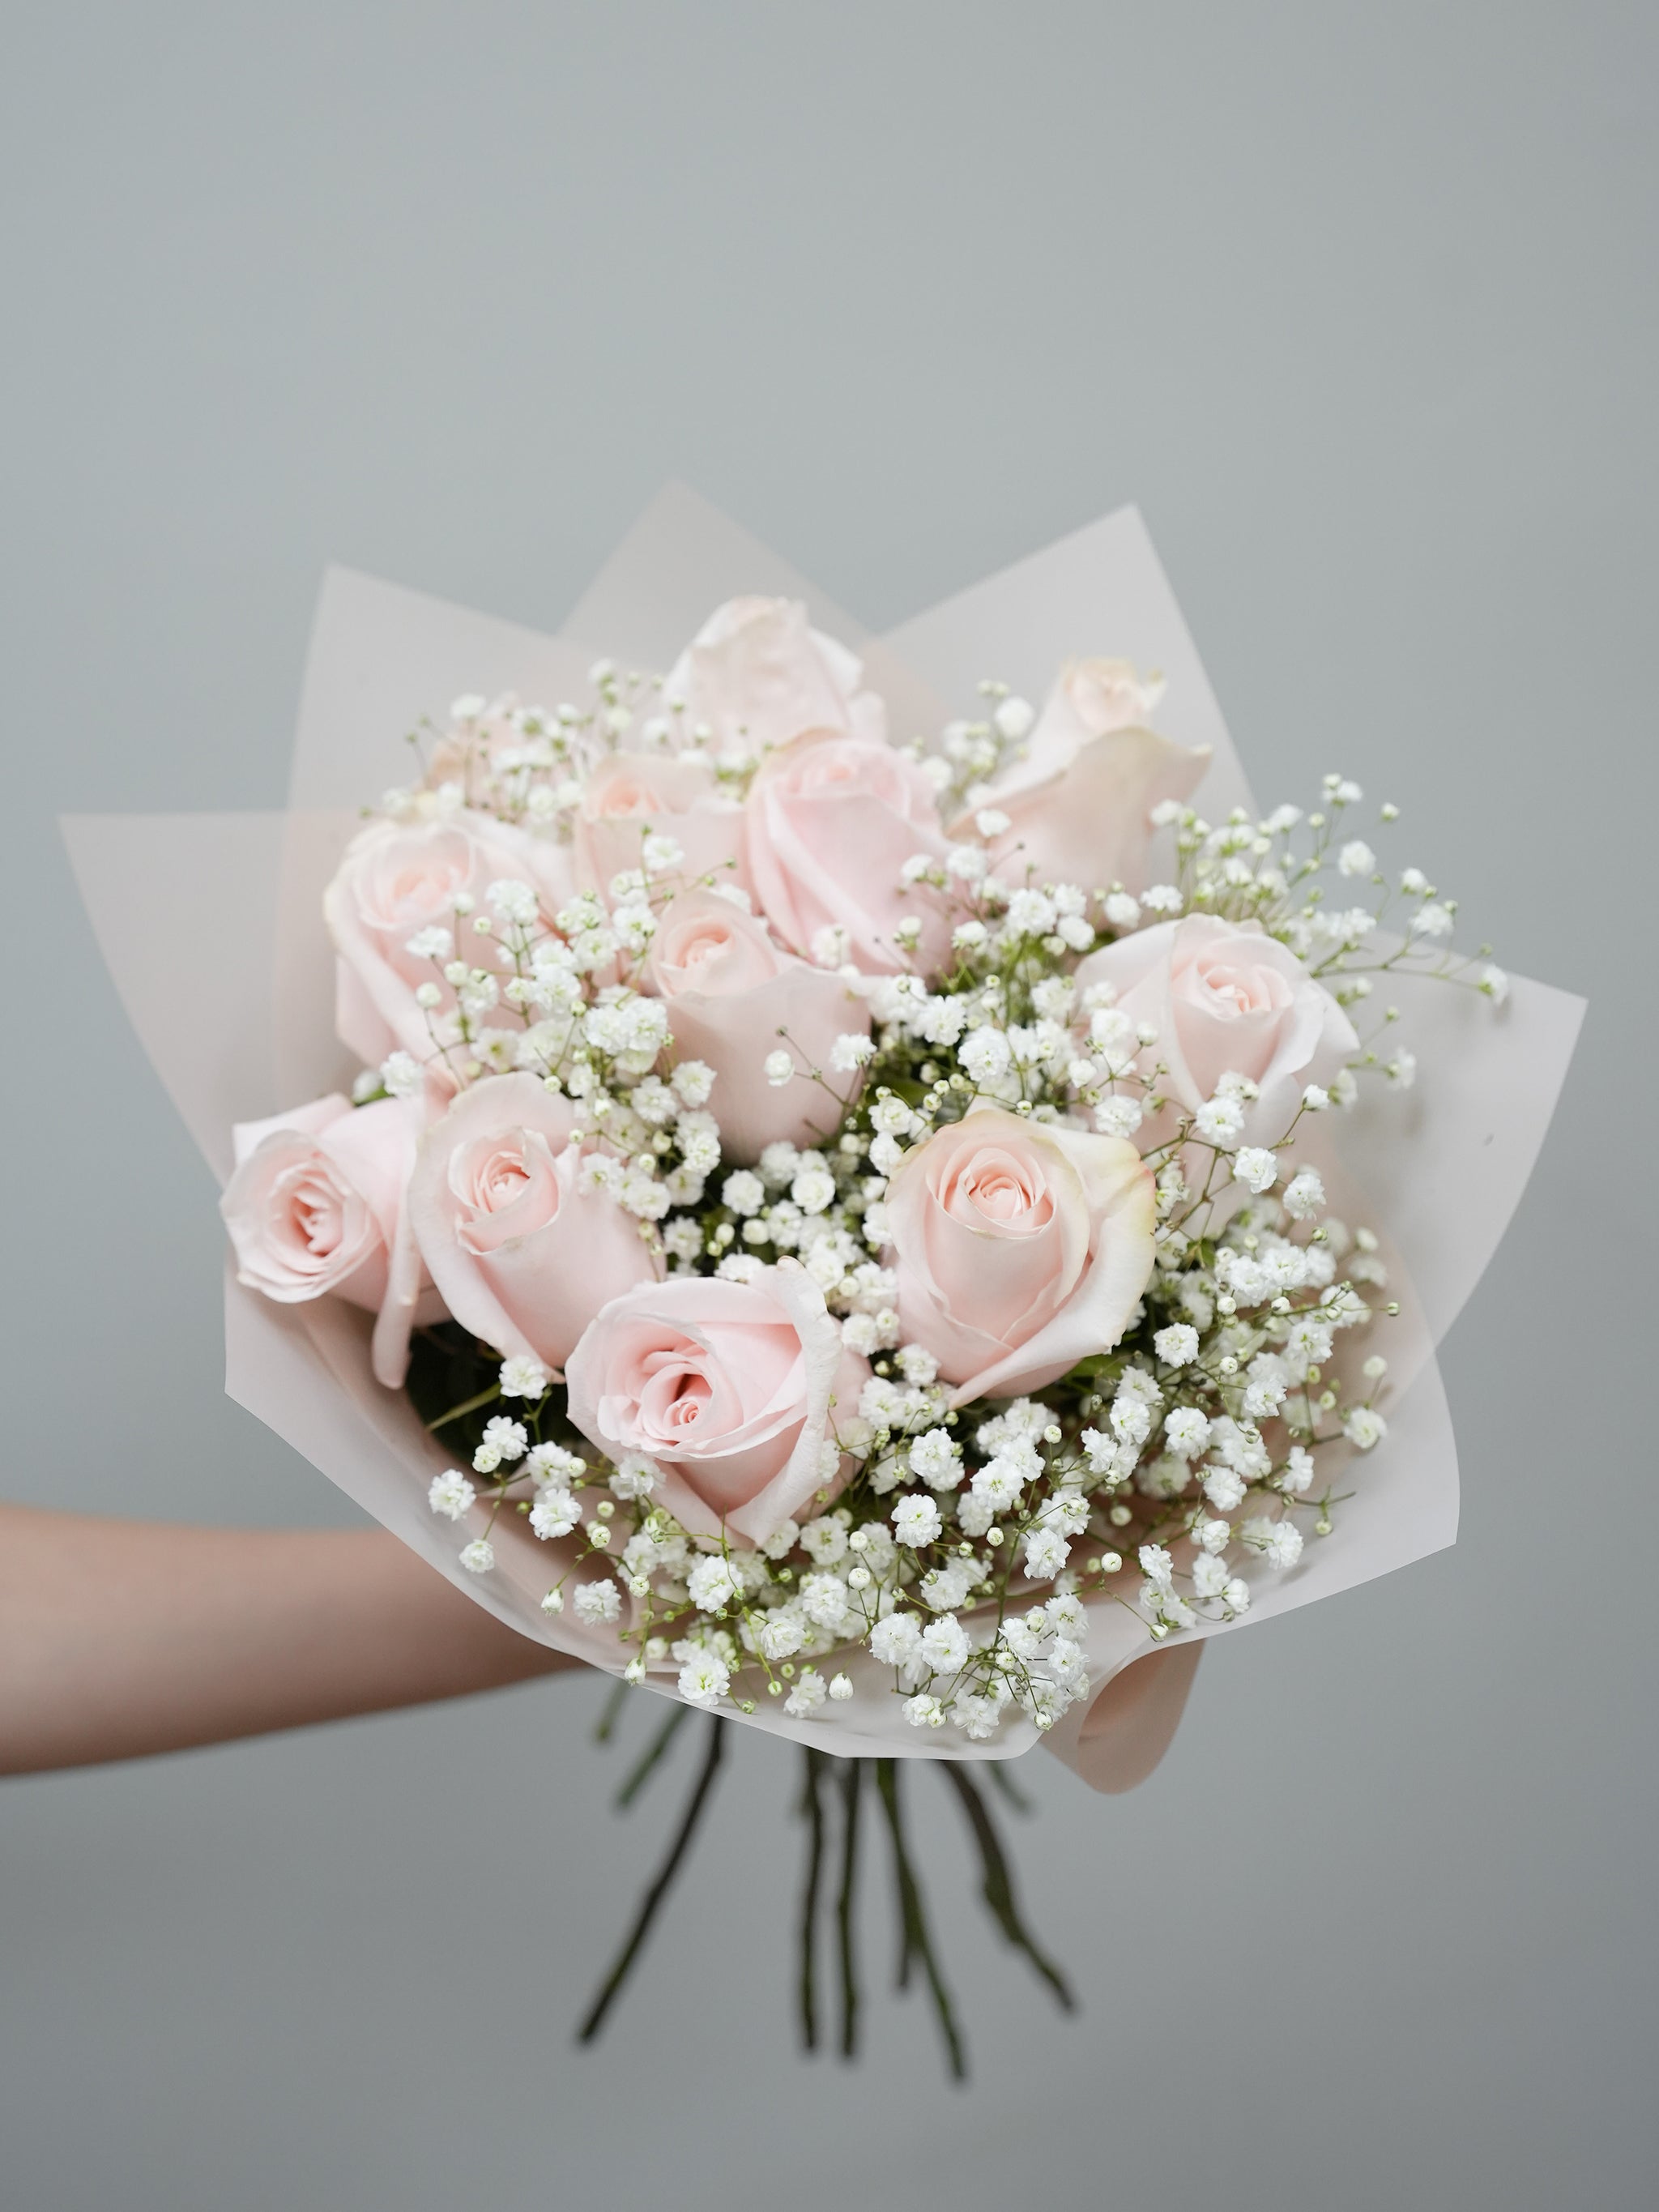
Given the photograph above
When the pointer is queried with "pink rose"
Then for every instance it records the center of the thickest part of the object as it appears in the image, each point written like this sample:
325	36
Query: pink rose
1079	801
733	998
676	795
316	1205
397	879
757	674
832	820
732	1389
1020	1248
1226	998
523	1256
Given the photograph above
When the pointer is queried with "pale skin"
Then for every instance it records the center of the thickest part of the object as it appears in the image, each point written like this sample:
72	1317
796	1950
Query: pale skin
123	1639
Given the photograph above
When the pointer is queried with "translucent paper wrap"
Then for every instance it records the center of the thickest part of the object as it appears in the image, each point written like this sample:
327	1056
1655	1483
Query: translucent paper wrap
212	927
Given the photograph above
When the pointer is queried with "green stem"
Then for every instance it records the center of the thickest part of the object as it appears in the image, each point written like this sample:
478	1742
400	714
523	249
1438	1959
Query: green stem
604	1727
812	1808
653	1751
917	1944
660	1888
852	1787
469	1406
998	1883
1005	1783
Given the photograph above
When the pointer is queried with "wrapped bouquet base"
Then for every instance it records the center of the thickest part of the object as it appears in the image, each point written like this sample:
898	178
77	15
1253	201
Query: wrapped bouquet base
859	1184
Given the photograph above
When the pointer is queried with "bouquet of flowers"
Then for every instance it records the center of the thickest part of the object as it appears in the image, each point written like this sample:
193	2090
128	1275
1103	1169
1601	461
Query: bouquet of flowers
887	1221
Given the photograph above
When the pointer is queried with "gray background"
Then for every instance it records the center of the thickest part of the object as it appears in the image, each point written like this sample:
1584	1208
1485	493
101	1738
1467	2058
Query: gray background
1359	305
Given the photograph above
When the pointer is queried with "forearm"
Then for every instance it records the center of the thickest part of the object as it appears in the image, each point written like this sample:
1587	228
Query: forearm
119	1638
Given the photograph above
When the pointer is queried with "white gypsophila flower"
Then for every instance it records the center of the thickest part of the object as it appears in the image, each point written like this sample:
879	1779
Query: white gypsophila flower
597	1603
896	1640
1177	1345
704	1678
1363	1426
511	900
825	1541
436	943
451	1494
683	1239
824	1600
1298	1475
923	1711
936	1458
1494	983
693	1080
744	1193
479	1556
713	1584
780	1637
401	1075
1131	1417
554	1513
917	1365
1357	858
1162	898
781	1541
1119	1117
1031	913
1210	1576
779	1067
1279	1543
1236	1596
944	1646
508	1439
654	1102
813	1189
1401	1069
1220	1122
916	1520
1157	1565
998	1483
554	1602
840	1687
553	1463
634	1476
1255	1167
1211	1535
1431	920
984	1054
1186	1431
523	1377
1304	1195
851	1050
808	1694
1046	1553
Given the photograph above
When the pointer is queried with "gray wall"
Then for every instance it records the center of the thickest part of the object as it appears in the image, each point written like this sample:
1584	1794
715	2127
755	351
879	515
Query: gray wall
1359	304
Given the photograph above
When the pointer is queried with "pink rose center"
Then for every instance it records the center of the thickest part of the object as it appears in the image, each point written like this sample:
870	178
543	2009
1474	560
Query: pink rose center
995	1187
701	944
845	767
675	1394
315	1214
1233	992
505	1185
412	882
623	798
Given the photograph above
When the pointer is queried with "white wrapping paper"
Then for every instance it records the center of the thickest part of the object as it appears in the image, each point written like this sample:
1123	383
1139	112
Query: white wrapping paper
212	928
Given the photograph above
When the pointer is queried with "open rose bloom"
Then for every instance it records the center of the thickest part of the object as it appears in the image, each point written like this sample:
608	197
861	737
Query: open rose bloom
816	1124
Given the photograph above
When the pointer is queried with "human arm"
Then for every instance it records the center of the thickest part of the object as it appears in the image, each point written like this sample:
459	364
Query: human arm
121	1638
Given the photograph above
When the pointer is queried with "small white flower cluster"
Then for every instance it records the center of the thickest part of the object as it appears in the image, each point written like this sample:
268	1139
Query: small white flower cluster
956	1555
